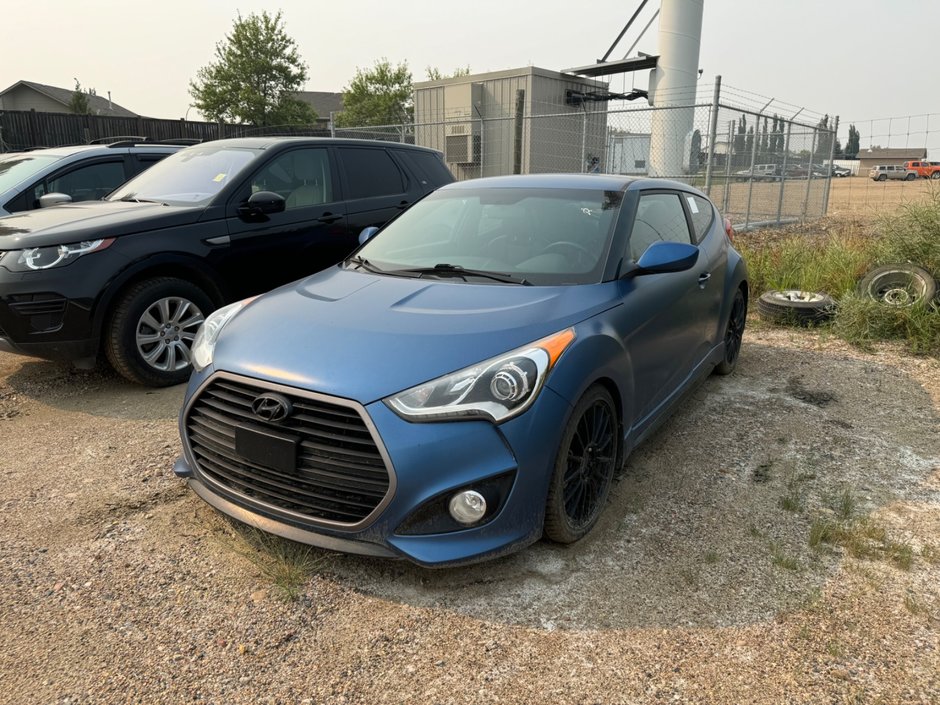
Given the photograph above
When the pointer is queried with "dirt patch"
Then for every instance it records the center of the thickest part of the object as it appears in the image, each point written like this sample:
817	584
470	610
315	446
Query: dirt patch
699	585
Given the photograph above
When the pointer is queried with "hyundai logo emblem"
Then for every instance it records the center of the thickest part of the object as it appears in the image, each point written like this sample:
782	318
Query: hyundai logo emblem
271	407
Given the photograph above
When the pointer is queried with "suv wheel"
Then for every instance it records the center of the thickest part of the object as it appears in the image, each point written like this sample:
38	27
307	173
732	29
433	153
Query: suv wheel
150	334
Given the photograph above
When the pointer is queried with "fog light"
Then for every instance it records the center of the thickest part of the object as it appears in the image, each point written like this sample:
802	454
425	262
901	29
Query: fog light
467	507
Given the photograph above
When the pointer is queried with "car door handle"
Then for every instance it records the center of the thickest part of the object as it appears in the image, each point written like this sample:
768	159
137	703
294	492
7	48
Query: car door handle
702	278
329	218
403	205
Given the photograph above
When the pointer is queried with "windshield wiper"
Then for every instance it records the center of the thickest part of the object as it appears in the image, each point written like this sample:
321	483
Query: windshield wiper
132	198
362	263
456	270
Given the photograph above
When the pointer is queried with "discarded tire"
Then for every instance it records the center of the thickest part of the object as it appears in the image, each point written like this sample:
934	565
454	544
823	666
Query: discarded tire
898	285
796	307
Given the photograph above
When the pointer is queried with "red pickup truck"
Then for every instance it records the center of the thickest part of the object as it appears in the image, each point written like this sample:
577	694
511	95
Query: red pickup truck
929	170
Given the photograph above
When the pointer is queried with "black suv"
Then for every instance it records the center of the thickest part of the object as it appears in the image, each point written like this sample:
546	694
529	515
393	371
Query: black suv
137	273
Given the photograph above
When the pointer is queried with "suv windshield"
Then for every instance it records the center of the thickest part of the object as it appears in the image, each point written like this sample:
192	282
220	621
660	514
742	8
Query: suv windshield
191	177
542	236
15	168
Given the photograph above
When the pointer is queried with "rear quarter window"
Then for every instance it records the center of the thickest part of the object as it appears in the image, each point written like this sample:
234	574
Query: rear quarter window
428	167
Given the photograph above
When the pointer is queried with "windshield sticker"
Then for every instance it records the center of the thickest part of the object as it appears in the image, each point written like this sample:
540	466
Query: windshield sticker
692	205
219	177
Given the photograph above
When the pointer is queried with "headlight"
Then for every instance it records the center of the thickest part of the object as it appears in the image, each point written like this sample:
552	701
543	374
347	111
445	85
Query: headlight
496	389
35	258
208	334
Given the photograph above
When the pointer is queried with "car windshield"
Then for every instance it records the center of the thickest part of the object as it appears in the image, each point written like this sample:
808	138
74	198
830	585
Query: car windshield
15	168
536	236
191	177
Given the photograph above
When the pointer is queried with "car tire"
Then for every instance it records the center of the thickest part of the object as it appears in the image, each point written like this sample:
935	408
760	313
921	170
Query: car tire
882	177
151	330
584	467
792	306
899	285
910	177
935	175
734	334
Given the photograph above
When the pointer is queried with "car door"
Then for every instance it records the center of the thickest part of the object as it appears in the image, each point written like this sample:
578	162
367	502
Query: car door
265	251
376	187
665	315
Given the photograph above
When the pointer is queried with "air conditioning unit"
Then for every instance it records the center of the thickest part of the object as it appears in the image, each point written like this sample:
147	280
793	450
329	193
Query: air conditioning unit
462	143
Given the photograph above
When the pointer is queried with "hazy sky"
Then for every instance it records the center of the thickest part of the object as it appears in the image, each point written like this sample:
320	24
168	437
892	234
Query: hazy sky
861	59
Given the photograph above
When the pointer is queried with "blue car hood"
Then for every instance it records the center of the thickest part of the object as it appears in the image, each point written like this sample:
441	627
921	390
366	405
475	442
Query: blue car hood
364	336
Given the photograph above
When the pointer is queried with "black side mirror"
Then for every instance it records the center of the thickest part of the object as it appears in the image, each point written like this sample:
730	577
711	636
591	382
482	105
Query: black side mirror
263	203
663	257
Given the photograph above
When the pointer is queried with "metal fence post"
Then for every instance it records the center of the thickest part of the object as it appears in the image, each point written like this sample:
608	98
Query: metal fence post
750	177
727	194
583	138
783	170
809	175
712	135
832	151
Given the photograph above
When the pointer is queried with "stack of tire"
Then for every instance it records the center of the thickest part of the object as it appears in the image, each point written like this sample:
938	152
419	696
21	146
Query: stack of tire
898	285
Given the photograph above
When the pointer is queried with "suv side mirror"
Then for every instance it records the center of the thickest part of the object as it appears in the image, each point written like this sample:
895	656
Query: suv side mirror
667	257
367	234
54	199
263	203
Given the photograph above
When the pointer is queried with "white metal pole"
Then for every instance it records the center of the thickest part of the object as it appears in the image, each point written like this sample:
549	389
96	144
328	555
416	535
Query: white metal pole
673	83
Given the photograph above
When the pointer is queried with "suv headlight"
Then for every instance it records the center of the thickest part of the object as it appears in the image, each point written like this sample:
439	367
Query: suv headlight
33	259
208	334
496	389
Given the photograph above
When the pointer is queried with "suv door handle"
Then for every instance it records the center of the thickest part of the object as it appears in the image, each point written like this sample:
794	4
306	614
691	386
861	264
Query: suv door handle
403	205
329	218
702	278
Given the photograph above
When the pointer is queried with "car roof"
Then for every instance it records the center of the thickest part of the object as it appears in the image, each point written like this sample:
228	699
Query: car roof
588	182
102	149
271	142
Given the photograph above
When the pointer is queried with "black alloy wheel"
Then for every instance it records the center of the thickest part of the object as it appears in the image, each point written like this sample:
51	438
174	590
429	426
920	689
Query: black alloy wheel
584	468
734	334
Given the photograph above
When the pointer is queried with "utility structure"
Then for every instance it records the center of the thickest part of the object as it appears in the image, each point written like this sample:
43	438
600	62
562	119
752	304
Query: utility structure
672	83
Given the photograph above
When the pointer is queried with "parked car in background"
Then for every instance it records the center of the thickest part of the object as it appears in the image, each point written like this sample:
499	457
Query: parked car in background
761	172
135	275
928	170
840	171
44	177
883	172
473	376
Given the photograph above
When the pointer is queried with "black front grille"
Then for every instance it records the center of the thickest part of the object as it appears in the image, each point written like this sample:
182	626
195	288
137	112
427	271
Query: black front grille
341	475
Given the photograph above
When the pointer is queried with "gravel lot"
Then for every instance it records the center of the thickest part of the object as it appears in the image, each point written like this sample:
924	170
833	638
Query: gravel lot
700	584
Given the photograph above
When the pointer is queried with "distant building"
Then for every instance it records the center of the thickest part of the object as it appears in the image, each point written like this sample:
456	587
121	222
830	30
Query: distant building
520	120
27	95
873	156
323	102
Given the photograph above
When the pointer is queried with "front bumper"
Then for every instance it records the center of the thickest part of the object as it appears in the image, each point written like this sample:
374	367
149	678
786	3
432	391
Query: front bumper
426	461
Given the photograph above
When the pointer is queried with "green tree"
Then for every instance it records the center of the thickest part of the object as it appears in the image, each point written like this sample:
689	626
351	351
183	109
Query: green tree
79	103
434	74
852	143
739	141
381	95
255	77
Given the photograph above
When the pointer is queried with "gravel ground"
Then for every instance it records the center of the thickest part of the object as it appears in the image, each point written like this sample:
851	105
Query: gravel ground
700	585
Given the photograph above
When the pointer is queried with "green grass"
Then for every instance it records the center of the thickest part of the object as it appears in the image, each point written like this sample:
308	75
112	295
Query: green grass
861	538
835	260
781	559
288	565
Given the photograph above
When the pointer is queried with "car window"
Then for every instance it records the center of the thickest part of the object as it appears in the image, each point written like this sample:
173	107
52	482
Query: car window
429	167
190	177
301	176
85	183
370	172
16	168
702	215
659	218
548	236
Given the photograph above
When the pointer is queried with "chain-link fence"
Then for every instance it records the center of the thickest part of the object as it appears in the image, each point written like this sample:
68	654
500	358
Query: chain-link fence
758	167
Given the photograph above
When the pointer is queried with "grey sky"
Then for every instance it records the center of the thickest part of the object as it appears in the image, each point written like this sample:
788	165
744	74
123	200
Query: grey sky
861	59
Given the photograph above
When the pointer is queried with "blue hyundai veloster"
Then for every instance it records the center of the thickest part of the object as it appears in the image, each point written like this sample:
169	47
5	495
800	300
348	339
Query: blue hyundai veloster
473	376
